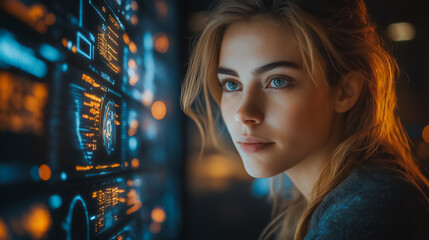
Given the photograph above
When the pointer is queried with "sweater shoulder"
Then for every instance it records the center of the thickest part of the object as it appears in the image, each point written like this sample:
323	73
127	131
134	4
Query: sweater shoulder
372	202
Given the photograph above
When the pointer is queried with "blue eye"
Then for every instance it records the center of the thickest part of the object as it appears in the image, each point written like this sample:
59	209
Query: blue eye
278	82
229	85
232	85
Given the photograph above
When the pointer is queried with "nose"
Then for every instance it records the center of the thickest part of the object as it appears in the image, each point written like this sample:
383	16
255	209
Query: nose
249	112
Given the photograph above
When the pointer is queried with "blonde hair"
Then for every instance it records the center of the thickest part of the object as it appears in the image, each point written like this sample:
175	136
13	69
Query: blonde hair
339	33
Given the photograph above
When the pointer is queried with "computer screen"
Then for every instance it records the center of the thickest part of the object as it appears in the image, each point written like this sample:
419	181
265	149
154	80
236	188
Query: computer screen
90	126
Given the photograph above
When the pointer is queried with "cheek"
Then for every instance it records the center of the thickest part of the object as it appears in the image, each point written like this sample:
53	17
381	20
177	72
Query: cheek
227	111
306	120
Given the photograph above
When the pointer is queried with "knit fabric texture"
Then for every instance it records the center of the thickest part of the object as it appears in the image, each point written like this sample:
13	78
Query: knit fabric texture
371	203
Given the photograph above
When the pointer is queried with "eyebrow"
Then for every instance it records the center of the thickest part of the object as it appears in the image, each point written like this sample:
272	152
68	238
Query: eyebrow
260	70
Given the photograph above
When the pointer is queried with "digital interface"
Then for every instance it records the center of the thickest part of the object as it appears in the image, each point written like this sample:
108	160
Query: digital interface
89	120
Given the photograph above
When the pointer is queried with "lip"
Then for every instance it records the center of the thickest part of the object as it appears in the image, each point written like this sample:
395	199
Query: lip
252	144
251	139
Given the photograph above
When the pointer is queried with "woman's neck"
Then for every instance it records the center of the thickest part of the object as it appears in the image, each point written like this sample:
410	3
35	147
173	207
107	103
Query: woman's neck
305	174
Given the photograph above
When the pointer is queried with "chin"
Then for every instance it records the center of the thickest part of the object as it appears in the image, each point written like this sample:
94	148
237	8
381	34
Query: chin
257	172
263	170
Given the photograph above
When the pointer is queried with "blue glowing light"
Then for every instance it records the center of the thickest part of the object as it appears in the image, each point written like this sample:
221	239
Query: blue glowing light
87	45
133	143
90	2
77	117
132	115
131	72
92	218
148	235
149	62
55	201
80	13
16	55
13	172
50	53
64	67
73	20
151	131
67	225
63	176
260	187
34	172
81	127
136	94
147	41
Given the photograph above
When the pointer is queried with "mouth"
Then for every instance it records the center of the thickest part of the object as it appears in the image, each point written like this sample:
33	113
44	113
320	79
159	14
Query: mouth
255	147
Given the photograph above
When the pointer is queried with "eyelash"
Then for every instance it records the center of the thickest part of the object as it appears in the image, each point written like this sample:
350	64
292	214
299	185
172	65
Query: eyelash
222	83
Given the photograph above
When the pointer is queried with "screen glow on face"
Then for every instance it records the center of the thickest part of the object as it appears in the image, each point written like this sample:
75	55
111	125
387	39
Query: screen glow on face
267	94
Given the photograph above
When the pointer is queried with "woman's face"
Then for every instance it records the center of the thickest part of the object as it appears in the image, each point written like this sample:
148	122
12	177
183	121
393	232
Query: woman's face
268	95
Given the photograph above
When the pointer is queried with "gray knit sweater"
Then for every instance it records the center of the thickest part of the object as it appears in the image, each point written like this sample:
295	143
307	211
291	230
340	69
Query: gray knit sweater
371	203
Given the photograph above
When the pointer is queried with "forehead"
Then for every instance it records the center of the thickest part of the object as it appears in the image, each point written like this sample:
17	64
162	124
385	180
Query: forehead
257	42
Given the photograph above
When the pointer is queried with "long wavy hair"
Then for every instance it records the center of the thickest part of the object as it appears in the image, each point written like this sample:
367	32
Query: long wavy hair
341	34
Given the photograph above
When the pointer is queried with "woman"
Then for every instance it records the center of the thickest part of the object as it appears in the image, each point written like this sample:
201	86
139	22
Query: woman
306	88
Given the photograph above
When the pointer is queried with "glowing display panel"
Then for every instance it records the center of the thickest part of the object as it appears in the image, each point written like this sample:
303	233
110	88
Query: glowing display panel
86	152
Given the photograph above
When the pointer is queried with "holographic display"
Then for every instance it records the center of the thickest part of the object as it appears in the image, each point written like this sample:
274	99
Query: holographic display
89	120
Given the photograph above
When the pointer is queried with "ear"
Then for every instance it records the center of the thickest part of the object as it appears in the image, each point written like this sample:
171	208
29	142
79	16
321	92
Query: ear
348	91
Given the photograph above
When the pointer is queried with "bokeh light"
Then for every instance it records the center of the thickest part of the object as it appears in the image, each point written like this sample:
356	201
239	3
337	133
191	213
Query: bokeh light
44	172
158	110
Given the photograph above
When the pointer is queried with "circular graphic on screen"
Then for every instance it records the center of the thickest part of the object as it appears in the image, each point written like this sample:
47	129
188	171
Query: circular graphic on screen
77	222
109	127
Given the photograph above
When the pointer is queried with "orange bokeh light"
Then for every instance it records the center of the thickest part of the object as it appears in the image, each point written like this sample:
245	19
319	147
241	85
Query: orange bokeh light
36	11
126	38
130	182
50	19
133	128
134	6
37	221
161	43
132	47
155	227
135	163
4	233
44	172
132	63
147	97
158	215
134	19
158	110
134	79
65	42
